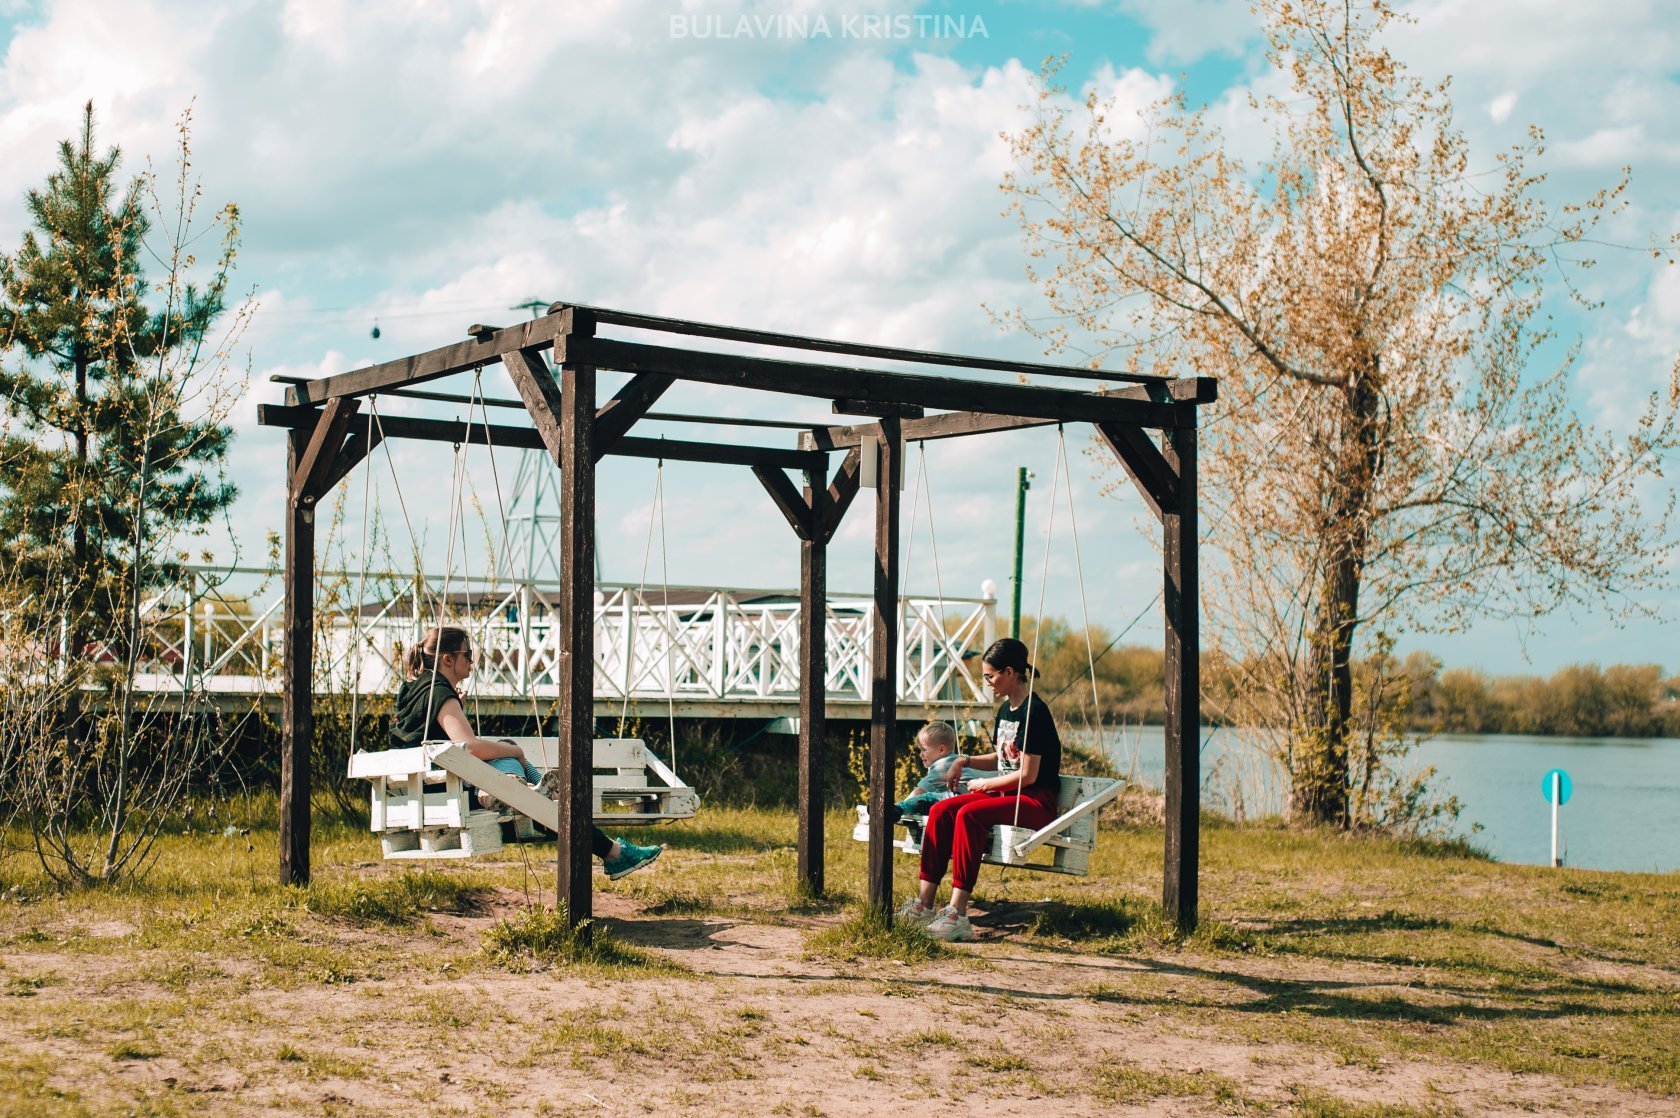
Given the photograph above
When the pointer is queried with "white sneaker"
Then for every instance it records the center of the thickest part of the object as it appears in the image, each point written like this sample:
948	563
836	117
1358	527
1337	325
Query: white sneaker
949	927
913	911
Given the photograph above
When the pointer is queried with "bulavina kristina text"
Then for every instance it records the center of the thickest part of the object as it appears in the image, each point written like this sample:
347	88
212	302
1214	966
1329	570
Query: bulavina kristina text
810	26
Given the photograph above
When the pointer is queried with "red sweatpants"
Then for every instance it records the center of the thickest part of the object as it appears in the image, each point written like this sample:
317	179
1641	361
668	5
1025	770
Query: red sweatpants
958	830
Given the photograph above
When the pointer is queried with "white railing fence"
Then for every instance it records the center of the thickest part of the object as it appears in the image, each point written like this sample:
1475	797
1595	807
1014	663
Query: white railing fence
219	631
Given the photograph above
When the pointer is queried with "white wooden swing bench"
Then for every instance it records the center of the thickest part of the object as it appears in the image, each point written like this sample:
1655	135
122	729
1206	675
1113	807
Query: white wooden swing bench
1070	837
421	810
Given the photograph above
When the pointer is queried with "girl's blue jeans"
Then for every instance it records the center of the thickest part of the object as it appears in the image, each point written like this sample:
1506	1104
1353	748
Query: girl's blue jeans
517	766
599	844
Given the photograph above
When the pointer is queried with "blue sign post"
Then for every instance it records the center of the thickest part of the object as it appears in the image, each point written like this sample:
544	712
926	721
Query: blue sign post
1556	788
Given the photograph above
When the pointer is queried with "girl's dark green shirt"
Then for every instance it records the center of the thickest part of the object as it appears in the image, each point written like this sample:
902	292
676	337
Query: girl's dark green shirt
418	703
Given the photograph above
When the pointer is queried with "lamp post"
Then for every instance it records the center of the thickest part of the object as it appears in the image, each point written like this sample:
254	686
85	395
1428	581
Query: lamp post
1023	482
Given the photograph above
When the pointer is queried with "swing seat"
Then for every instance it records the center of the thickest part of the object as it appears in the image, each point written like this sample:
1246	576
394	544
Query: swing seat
421	808
1070	837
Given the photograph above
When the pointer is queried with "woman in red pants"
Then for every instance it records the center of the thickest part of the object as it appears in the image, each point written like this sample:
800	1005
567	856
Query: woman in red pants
1028	761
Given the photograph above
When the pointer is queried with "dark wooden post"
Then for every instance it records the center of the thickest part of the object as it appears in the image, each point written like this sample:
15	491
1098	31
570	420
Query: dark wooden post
1183	681
576	675
297	712
813	687
883	719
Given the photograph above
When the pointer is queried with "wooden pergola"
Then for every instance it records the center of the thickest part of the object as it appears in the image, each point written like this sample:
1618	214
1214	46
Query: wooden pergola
1149	422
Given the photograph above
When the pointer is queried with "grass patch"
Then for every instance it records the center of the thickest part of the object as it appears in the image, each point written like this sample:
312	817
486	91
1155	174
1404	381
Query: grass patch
396	898
999	1062
932	1038
1128	924
1313	1103
682	904
134	1050
865	935
26	986
1133	1083
541	938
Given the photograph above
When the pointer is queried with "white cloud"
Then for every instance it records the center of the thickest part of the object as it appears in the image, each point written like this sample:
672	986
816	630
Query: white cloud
1186	30
433	164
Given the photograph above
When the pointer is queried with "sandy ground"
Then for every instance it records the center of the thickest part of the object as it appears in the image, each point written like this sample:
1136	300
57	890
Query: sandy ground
754	1027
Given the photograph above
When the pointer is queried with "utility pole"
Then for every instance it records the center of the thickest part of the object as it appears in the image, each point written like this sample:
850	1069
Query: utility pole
1023	482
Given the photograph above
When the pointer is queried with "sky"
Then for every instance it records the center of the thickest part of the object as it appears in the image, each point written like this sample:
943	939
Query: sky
821	168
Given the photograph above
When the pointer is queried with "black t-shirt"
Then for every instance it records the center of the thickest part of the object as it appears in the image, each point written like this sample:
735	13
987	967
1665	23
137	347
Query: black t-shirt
418	703
1015	733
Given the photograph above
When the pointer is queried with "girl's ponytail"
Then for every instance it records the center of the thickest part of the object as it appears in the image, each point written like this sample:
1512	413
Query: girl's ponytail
422	656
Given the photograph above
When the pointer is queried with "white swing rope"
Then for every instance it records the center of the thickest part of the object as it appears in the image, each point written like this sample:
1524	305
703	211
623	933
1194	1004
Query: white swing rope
501	554
396	484
1084	608
461	525
375	421
658	503
665	583
448	566
924	485
502	563
1038	630
356	609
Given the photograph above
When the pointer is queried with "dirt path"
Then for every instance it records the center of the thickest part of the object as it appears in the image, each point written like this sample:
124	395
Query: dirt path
412	1022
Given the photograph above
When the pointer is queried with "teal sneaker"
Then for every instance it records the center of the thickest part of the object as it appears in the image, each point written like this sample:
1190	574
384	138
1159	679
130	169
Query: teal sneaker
630	858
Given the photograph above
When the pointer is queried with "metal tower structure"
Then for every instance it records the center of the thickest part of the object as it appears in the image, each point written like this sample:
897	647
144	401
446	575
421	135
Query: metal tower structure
533	521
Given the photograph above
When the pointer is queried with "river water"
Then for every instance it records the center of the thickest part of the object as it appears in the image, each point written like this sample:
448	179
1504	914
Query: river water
1624	813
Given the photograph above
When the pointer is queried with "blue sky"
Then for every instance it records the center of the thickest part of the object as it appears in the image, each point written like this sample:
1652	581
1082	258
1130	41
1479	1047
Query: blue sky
431	164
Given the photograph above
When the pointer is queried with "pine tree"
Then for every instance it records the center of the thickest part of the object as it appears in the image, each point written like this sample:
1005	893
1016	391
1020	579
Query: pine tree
98	456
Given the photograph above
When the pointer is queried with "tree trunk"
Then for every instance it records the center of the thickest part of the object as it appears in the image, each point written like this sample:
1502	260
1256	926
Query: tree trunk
1319	776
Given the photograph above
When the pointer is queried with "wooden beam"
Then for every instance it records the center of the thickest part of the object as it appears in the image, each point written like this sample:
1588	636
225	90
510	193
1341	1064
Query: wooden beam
1183	783
357	447
867	407
947	426
443	361
575	672
813	691
631	319
541	395
472	433
841	493
795	508
1154	477
630	446
827	381
315	463
883	659
527	438
297	702
620	413
1188	390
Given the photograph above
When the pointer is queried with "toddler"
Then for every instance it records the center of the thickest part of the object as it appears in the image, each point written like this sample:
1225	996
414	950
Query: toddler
935	744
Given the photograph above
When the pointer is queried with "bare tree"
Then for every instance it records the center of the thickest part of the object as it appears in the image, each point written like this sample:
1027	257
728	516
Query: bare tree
1388	454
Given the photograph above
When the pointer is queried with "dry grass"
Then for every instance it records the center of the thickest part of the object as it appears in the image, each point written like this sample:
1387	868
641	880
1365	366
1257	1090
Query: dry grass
209	988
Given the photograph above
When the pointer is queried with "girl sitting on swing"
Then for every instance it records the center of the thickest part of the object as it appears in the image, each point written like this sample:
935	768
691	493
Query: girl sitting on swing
1028	761
429	709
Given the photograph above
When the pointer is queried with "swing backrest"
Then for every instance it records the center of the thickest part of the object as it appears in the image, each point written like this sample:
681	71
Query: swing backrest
1076	790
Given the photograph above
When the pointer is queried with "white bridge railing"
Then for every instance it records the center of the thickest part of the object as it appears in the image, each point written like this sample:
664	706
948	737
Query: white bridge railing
218	631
